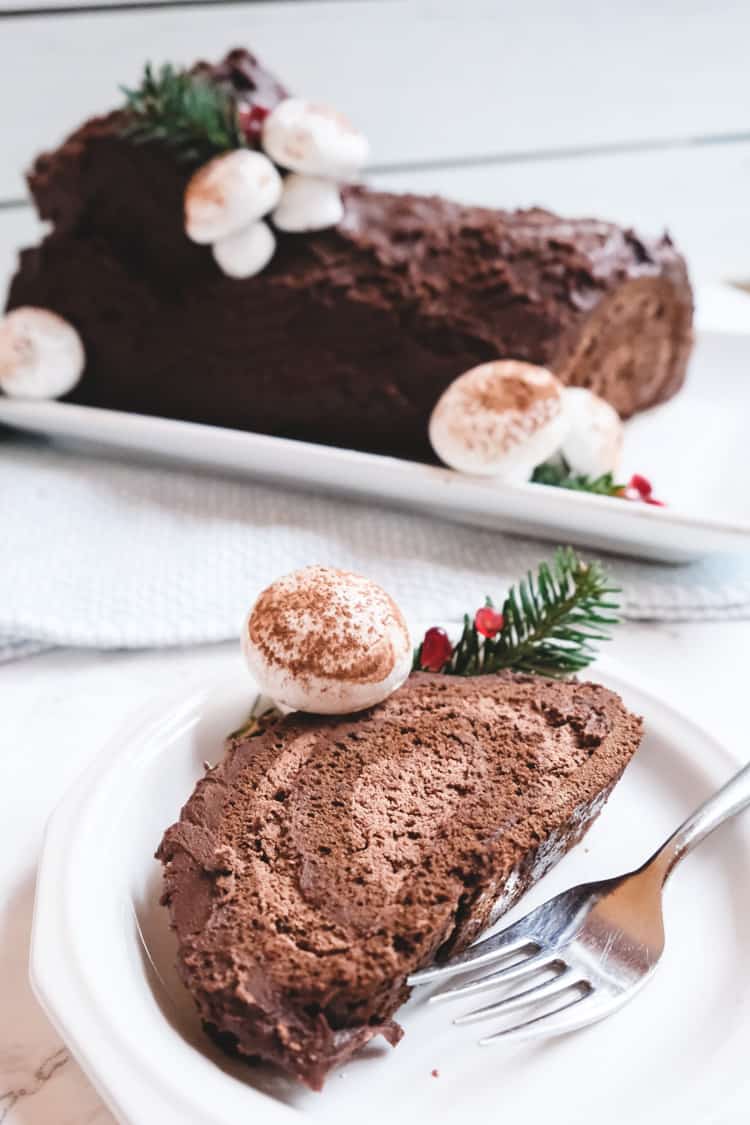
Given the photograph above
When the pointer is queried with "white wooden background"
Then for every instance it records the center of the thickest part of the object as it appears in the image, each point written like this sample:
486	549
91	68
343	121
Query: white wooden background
639	112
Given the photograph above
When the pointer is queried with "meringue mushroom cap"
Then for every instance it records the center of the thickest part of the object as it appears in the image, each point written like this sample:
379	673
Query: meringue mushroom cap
230	192
593	444
41	354
326	641
314	139
245	252
308	203
500	419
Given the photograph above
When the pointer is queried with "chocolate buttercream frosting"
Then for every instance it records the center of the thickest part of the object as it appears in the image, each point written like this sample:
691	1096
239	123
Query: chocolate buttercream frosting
325	859
350	335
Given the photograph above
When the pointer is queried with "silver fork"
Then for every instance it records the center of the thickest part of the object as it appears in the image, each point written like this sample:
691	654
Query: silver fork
583	954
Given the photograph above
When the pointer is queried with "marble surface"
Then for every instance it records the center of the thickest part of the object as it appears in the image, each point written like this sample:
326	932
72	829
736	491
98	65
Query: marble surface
58	712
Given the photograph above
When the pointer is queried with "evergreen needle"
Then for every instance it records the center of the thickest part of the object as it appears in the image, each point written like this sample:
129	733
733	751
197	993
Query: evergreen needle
550	623
195	117
559	475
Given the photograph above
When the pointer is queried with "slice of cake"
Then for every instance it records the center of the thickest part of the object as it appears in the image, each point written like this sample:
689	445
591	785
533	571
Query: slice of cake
326	858
351	334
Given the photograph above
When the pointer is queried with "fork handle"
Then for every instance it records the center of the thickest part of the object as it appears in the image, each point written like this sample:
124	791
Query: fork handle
731	799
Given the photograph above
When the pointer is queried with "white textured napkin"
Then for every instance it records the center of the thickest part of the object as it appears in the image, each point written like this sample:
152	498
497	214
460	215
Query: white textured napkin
101	553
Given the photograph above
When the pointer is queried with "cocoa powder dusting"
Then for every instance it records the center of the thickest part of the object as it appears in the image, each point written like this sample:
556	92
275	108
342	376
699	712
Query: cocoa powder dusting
328	624
508	385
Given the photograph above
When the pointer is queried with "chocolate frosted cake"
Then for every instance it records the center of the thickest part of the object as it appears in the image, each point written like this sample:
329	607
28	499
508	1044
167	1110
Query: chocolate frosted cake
325	859
350	334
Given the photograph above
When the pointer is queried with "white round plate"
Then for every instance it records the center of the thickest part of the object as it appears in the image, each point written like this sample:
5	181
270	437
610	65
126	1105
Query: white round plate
677	1052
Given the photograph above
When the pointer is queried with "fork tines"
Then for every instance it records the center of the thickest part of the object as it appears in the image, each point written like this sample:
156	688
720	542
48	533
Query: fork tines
546	987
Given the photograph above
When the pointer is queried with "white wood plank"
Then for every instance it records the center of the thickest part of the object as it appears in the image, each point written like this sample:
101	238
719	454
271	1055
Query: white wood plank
33	6
19	227
700	194
427	79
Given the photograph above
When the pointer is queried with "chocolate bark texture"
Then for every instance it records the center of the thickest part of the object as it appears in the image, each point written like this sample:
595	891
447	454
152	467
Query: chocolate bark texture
324	859
350	335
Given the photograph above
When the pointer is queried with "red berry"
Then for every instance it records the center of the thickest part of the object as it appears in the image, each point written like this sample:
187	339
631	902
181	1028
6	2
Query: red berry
488	621
642	485
640	488
436	650
251	118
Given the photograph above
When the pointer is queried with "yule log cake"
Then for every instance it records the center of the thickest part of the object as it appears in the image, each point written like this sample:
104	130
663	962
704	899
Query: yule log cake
347	334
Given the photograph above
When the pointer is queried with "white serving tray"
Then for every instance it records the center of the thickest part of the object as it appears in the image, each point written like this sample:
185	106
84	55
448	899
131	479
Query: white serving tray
694	449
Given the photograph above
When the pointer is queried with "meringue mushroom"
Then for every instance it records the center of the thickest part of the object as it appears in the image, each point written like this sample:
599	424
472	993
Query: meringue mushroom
313	139
41	355
245	252
500	419
228	193
326	641
593	443
308	203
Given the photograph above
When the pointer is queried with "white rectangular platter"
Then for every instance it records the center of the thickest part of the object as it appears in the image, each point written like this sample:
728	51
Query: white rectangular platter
694	449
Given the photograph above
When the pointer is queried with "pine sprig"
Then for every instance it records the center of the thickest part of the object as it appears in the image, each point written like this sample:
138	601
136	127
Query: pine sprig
551	622
193	116
262	713
558	475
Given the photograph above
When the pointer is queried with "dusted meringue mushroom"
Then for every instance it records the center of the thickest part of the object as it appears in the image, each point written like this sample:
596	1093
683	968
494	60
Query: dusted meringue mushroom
500	419
313	139
246	252
594	440
41	355
308	203
228	193
326	641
